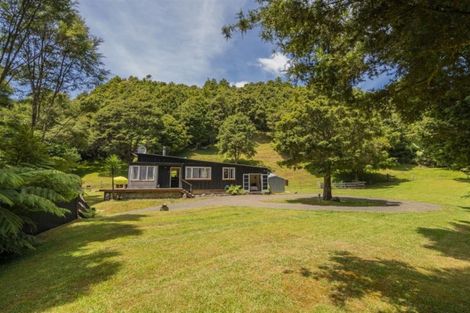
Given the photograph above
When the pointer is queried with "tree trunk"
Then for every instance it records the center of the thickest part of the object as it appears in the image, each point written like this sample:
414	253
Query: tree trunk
327	187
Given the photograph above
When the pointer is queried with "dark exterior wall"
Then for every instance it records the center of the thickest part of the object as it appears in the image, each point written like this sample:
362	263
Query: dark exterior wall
216	182
44	221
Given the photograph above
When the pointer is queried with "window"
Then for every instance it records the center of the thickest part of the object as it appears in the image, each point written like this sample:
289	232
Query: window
228	173
134	173
203	173
143	173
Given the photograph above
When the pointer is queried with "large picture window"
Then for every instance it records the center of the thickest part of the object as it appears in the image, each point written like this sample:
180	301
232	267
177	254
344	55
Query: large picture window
228	173
203	173
143	173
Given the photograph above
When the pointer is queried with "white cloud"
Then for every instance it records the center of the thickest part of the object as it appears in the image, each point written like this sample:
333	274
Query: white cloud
171	40
277	64
240	84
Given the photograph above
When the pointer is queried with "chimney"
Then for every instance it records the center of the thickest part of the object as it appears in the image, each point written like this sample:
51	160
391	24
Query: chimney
164	150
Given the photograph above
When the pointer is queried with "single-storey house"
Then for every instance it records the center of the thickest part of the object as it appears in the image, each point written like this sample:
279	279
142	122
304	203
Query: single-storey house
196	176
154	176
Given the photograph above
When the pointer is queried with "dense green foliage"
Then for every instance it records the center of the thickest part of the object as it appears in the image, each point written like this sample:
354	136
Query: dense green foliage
443	135
46	51
327	137
25	191
422	45
118	116
124	113
236	137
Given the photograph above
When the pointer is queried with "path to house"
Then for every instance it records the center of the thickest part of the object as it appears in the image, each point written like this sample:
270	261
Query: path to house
273	201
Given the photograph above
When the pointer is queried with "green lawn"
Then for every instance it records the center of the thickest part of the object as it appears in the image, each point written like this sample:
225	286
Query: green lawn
257	260
242	260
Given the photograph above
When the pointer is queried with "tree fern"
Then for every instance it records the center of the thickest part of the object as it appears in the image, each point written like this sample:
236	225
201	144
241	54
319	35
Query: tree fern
27	190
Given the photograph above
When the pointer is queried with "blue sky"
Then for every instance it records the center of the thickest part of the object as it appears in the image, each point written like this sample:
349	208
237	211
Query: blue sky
181	41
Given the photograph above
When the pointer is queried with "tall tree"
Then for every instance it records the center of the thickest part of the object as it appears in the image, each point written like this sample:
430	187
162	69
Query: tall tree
61	56
325	137
236	137
16	19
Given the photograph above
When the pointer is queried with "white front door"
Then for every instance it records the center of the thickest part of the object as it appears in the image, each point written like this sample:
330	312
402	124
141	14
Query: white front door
246	182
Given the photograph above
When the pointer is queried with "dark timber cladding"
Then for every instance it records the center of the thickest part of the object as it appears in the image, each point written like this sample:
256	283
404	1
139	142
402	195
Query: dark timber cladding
167	163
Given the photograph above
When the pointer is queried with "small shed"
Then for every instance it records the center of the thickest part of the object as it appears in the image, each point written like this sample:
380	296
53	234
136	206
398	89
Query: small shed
277	183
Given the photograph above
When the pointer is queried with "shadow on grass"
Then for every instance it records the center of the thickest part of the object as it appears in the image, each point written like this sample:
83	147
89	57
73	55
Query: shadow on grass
394	181
450	242
463	180
404	287
344	201
403	167
65	266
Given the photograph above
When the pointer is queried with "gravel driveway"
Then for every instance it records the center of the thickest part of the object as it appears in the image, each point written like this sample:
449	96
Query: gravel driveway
272	202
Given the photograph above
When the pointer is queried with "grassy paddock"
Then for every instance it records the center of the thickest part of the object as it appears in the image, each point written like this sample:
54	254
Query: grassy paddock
247	260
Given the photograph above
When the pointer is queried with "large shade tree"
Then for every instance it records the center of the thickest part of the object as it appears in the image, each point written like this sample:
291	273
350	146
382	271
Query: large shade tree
325	137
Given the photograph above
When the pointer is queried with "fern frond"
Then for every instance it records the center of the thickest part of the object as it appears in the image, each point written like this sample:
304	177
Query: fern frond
10	223
6	197
44	193
10	179
36	203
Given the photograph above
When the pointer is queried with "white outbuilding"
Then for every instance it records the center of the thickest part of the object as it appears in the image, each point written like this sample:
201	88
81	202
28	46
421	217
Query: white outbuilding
277	183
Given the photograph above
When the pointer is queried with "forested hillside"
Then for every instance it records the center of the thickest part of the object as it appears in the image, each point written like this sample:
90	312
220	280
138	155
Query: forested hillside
123	113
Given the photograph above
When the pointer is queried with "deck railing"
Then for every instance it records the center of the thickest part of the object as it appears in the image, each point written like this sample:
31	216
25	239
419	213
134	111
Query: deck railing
187	185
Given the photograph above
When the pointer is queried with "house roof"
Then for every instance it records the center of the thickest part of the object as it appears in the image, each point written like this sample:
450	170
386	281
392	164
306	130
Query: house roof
181	160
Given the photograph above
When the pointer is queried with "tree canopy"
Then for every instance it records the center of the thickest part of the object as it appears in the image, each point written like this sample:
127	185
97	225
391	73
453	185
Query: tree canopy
422	47
326	136
333	45
236	137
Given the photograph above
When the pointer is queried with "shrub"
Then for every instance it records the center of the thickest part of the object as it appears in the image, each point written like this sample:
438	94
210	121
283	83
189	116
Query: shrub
235	190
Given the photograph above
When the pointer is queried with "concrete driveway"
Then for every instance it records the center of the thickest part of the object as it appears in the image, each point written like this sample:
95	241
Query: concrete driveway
275	202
